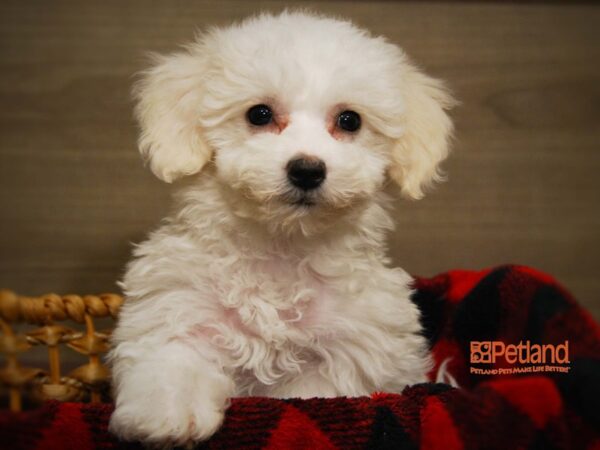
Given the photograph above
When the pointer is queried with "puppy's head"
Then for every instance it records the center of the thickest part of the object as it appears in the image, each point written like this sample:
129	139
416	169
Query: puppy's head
304	117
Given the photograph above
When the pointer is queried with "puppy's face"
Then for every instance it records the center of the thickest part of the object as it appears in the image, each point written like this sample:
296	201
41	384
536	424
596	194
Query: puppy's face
298	142
304	117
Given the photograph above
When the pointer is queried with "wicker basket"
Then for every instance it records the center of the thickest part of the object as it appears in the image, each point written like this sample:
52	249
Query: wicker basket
87	382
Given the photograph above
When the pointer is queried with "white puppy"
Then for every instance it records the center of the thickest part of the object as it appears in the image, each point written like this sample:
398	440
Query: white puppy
271	277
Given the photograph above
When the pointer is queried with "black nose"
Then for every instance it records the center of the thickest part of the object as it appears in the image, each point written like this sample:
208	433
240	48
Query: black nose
306	173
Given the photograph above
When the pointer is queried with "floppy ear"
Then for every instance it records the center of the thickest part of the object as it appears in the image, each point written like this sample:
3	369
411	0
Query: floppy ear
168	99
427	131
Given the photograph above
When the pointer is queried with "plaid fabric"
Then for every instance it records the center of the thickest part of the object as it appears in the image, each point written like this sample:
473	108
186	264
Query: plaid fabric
529	411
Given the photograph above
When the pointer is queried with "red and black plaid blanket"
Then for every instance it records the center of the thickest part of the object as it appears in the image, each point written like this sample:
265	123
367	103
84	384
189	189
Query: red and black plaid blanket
509	404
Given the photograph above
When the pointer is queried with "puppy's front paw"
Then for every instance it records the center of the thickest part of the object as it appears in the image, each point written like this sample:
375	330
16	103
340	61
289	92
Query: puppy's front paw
166	420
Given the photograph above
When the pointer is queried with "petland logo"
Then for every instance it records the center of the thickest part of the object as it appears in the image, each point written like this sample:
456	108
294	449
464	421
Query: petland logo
535	357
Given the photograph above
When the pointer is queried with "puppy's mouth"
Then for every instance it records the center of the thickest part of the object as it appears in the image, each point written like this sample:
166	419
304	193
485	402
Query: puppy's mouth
301	199
304	201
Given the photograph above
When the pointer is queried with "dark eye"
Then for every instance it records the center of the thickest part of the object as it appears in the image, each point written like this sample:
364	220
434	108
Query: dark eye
260	115
349	121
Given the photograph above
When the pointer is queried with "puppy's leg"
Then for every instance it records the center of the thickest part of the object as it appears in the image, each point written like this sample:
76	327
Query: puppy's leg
167	394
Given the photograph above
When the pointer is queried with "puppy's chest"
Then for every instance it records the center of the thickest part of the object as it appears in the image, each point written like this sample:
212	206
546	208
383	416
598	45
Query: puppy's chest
274	299
278	315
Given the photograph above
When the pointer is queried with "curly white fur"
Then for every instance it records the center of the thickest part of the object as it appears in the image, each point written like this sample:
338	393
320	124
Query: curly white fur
242	291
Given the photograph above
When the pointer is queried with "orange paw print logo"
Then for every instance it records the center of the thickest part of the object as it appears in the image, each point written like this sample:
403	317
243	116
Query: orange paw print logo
481	352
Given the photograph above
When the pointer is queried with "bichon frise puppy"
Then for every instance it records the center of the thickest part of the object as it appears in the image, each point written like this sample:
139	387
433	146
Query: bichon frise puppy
270	278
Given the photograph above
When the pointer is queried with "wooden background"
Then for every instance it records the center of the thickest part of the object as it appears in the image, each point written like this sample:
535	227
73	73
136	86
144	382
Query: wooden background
524	180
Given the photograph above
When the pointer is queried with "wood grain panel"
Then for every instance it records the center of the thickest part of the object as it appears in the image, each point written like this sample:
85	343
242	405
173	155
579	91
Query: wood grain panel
523	180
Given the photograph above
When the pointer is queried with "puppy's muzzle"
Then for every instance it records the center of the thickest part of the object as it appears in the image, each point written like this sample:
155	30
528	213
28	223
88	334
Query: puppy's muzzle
306	173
